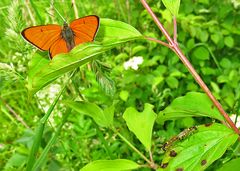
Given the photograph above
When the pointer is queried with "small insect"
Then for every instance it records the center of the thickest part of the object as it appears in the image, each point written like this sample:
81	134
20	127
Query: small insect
57	39
180	136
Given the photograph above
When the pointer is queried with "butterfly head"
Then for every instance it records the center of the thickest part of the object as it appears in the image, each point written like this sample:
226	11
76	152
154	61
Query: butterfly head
65	24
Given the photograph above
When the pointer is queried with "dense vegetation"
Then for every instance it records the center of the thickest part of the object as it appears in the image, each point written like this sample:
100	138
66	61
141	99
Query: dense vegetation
109	83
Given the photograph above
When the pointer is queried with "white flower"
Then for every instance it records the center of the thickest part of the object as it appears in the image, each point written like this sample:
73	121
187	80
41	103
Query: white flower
236	3
4	66
47	96
233	118
1	146
133	63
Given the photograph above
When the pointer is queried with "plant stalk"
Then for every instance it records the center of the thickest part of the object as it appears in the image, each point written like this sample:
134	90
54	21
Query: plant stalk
158	41
134	148
40	128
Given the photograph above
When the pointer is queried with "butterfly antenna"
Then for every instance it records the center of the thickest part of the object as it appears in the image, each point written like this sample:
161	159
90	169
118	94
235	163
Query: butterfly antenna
68	14
59	14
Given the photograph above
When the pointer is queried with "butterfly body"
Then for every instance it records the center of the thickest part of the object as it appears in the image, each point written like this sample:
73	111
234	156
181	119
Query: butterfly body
57	39
68	35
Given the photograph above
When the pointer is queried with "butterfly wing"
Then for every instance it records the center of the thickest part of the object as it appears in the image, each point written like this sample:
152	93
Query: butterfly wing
85	29
43	37
59	46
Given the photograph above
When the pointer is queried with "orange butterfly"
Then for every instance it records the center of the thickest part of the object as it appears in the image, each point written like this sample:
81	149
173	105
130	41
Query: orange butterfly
59	39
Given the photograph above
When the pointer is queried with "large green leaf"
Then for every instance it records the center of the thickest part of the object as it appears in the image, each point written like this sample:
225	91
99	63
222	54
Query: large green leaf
111	165
141	123
199	150
192	104
172	6
102	118
110	34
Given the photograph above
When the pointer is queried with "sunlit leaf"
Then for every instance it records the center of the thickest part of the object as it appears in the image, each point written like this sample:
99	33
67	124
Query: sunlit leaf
199	150
124	95
141	123
112	32
102	118
192	104
111	165
172	6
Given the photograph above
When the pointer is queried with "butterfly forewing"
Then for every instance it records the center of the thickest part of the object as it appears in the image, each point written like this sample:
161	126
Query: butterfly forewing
85	28
42	36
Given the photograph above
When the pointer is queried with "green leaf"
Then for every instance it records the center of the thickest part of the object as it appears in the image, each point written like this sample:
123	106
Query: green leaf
225	63
201	53
17	160
215	38
192	104
167	15
108	33
172	82
203	35
232	165
124	95
137	49
102	118
204	1
141	123
37	63
109	114
44	72
111	165
172	6
229	41
199	150
222	79
215	87
156	81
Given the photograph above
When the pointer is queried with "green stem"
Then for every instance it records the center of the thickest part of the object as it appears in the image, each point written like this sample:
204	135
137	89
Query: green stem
40	128
134	148
52	141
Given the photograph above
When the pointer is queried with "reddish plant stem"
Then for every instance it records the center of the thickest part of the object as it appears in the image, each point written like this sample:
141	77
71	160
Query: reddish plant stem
159	41
175	30
153	165
185	61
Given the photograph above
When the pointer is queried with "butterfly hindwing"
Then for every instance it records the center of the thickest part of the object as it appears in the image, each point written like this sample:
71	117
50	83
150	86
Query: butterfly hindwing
58	47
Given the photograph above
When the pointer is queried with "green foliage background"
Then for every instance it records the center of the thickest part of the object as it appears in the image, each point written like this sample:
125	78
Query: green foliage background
209	34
